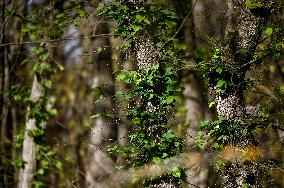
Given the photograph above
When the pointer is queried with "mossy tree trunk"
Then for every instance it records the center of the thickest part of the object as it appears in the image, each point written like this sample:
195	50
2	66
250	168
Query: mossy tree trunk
236	59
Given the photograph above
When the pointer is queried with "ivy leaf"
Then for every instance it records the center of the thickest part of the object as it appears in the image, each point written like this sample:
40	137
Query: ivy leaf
58	165
139	18
95	116
176	172
252	5
221	86
246	185
268	31
40	171
166	161
204	123
212	103
219	70
198	139
38	184
157	160
52	112
136	121
136	28
169	135
98	50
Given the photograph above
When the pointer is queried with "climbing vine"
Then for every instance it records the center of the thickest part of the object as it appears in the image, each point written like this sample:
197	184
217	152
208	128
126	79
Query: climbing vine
224	69
156	88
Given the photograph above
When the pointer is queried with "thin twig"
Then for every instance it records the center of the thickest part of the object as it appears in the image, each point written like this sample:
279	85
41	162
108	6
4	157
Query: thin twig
54	40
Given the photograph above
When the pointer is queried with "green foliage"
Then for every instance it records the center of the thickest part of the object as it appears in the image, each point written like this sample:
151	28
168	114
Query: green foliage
42	65
252	5
221	86
19	93
19	163
221	129
155	89
246	185
199	140
156	18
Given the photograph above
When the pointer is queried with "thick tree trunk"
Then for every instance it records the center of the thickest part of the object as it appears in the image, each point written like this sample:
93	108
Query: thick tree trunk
29	145
230	104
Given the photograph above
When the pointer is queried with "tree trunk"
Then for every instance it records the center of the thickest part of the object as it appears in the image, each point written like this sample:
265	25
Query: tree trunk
99	166
29	145
230	104
192	95
6	77
193	101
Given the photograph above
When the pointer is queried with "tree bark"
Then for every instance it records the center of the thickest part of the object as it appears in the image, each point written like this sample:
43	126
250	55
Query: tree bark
147	57
230	104
99	166
6	77
193	101
29	145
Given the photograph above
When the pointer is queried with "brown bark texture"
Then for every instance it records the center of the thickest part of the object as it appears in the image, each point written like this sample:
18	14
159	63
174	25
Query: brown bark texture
29	145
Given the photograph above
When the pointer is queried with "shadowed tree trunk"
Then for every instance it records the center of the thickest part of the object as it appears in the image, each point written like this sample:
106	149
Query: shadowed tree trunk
5	74
235	61
99	167
193	101
192	95
29	145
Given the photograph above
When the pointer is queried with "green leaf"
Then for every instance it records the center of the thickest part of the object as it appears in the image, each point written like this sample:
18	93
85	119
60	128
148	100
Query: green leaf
198	139
44	164
40	171
96	90
166	161
109	114
268	31
169	135
204	123
38	184
139	18
246	185
217	146
219	70
50	153
136	121
20	163
95	116
123	76
157	160
98	50
136	28
52	112
135	177
221	86
212	103
58	165
47	83
176	172
252	5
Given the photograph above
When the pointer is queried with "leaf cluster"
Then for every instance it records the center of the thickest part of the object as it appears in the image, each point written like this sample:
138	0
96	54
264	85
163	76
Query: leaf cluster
132	20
